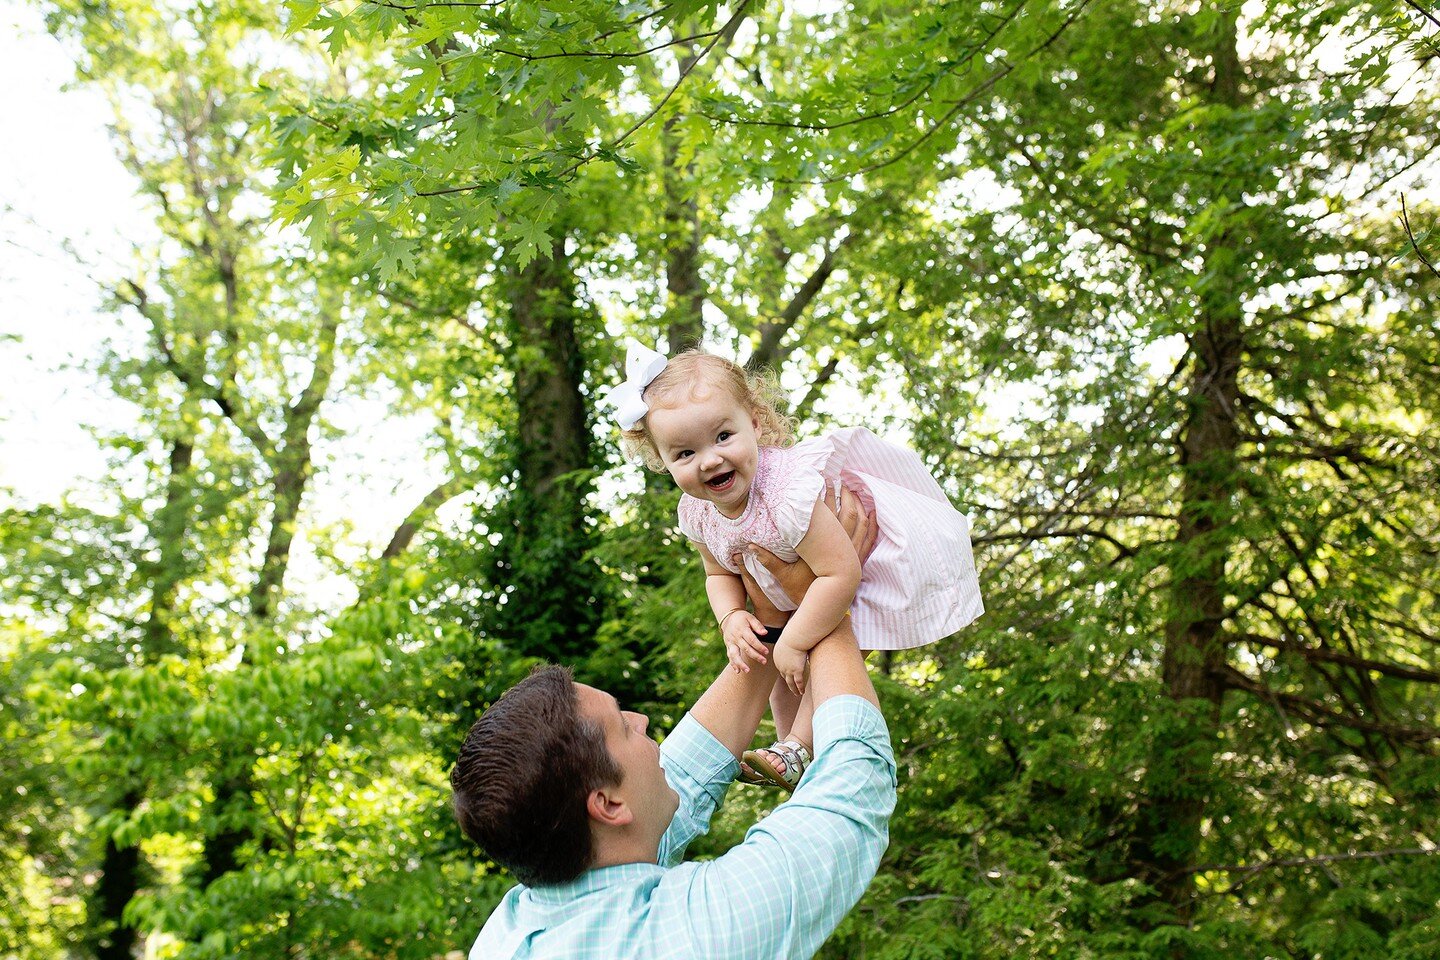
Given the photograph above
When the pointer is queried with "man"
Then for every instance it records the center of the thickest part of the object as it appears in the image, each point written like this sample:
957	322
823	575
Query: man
561	785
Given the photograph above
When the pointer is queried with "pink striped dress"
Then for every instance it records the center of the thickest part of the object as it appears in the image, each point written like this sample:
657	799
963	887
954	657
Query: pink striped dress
919	584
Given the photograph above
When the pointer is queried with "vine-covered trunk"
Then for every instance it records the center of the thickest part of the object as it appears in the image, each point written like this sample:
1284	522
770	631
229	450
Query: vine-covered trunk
551	593
1178	783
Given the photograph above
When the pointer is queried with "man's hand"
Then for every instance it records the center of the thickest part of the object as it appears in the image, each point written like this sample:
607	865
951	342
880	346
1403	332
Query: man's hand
742	639
767	613
795	578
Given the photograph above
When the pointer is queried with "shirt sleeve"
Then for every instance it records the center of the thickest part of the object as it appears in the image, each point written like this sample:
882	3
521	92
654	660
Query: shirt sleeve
785	889
792	509
699	769
687	516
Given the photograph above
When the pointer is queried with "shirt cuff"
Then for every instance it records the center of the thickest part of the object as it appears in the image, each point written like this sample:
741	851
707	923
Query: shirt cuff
850	717
692	751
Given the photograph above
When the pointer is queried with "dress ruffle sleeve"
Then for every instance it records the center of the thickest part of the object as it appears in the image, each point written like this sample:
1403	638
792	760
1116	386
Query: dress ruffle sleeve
688	515
793	503
824	455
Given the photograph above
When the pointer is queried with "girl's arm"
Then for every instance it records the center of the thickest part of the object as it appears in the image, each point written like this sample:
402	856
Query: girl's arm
727	595
829	552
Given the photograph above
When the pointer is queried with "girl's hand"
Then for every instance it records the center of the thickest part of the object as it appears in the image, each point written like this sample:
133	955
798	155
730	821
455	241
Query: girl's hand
791	665
742	640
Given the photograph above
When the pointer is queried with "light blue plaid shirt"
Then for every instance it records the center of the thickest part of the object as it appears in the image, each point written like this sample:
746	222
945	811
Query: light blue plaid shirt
778	894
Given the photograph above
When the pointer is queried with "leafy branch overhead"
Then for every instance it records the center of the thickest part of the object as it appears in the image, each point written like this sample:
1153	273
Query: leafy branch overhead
495	111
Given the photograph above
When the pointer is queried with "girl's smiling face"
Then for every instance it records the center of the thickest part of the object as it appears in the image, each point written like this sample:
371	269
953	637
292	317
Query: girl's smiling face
709	443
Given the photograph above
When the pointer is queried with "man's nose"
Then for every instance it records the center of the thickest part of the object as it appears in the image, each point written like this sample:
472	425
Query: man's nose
644	722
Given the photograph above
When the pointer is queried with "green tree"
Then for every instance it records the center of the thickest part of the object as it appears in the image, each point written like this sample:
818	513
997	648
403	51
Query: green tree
1132	278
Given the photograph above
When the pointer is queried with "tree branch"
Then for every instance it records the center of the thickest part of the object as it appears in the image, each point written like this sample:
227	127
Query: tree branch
1326	655
1422	11
1405	219
1248	868
1322	716
768	352
953	112
229	408
1414	631
879	114
437	3
602	54
1127	240
443	493
1124	550
728	30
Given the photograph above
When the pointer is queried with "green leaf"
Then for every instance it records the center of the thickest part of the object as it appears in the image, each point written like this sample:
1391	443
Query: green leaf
530	240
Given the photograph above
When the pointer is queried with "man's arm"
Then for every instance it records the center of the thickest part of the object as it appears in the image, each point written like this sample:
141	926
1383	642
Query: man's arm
783	891
699	755
733	705
837	668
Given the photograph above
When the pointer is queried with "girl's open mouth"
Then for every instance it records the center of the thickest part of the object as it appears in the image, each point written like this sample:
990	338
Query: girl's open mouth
722	482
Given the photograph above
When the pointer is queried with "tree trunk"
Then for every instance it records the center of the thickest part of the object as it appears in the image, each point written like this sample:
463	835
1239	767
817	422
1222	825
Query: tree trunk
172	522
121	869
1178	781
551	594
119	881
290	475
685	292
290	471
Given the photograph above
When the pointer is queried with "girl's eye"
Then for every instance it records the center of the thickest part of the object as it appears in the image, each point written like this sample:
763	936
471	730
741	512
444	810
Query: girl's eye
725	435
683	454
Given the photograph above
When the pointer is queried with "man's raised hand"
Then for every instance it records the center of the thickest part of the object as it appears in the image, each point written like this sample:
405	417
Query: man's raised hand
795	578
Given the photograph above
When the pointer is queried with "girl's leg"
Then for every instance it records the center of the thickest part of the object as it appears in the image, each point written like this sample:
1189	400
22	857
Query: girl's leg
784	705
802	728
793	721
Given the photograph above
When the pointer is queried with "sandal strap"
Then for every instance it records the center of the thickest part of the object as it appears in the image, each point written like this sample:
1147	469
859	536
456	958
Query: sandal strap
796	758
801	750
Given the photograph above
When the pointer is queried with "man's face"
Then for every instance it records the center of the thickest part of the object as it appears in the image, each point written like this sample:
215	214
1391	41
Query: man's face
642	781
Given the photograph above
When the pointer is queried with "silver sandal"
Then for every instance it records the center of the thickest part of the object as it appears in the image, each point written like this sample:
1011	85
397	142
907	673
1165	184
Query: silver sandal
795	756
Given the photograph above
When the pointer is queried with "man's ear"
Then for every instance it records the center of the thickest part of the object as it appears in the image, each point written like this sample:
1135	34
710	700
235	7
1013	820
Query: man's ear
607	808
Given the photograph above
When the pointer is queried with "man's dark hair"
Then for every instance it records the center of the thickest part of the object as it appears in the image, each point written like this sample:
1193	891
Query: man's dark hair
523	776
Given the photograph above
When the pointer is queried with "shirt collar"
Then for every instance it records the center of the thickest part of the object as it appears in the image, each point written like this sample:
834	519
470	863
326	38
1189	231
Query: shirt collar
593	880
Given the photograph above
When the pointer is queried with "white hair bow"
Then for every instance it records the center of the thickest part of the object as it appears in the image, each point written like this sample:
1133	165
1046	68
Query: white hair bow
642	365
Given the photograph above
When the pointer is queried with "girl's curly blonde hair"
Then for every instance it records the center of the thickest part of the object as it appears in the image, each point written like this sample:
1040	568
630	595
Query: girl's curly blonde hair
686	375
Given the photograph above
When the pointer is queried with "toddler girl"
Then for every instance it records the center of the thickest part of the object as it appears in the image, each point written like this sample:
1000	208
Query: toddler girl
717	431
